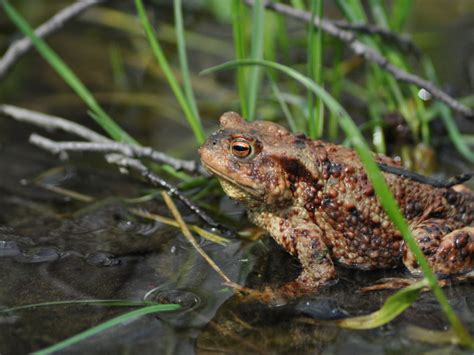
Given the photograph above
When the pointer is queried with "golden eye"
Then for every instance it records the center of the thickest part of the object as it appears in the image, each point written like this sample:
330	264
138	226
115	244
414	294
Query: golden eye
241	148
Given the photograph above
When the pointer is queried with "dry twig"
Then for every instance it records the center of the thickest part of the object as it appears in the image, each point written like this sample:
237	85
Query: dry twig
154	180
51	123
129	150
369	53
400	40
23	45
190	238
122	160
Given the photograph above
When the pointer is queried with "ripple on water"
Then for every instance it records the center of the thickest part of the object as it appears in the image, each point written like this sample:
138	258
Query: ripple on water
9	248
102	259
186	299
38	255
143	229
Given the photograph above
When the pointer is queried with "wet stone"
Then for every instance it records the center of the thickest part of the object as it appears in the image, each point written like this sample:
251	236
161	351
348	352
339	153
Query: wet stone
9	248
102	259
38	255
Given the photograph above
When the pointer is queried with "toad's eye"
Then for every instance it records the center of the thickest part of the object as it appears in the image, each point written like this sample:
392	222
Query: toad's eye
241	148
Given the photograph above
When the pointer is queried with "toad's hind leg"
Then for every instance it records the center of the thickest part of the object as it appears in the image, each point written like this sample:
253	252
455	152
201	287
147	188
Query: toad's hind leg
449	251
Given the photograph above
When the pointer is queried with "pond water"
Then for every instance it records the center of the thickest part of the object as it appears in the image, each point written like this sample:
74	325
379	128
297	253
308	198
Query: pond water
54	247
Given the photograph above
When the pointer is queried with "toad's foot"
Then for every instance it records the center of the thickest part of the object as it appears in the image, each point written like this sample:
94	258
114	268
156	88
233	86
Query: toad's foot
275	296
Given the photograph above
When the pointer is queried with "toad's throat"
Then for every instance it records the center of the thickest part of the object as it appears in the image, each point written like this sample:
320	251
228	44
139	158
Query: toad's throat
248	189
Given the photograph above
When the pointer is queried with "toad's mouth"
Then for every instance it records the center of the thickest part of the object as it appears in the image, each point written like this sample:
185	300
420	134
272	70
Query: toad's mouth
247	188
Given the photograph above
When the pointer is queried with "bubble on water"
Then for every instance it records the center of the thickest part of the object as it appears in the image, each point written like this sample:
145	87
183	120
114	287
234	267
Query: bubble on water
38	255
9	248
102	259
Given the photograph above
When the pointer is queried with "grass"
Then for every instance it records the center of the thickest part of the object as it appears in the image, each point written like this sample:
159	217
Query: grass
147	307
238	26
315	107
94	331
62	69
187	107
256	53
392	308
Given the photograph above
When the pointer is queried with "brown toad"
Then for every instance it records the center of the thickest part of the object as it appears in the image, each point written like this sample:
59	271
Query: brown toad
315	200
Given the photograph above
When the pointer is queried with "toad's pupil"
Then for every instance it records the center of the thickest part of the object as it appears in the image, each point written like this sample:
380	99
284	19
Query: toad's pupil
241	149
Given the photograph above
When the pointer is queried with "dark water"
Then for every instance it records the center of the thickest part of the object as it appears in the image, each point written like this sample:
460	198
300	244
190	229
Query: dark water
53	247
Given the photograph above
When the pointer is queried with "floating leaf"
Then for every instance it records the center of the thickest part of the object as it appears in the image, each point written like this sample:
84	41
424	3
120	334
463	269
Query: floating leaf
393	306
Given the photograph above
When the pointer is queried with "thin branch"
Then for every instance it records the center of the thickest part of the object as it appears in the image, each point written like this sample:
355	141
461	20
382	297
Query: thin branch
155	180
18	48
402	41
369	54
51	122
129	150
452	181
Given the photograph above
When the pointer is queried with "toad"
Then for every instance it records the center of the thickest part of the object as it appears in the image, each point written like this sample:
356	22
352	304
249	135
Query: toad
315	200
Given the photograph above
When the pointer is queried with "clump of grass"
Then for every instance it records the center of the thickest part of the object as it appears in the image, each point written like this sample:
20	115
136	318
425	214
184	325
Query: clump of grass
147	307
187	103
102	118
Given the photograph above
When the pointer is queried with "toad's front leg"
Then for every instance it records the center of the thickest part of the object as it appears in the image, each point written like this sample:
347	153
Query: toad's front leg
317	267
303	240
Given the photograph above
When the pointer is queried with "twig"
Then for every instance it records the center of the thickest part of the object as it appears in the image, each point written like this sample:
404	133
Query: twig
20	47
400	40
370	54
184	228
452	181
100	142
129	150
155	180
51	122
202	232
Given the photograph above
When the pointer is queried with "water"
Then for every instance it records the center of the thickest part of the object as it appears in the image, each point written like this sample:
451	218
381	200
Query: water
54	247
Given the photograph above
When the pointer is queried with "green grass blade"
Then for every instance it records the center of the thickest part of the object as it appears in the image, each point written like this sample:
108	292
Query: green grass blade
284	107
453	132
238	21
394	56
298	4
392	307
127	317
183	60
67	75
447	116
315	107
401	10
381	188
105	303
193	120
258	23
